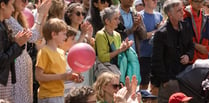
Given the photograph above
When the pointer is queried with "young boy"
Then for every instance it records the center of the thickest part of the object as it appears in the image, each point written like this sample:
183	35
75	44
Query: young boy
51	64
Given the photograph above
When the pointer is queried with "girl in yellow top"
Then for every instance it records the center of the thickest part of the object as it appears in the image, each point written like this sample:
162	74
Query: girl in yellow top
51	64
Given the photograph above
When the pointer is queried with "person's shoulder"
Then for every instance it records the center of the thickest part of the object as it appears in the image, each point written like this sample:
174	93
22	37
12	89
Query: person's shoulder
60	51
99	33
157	13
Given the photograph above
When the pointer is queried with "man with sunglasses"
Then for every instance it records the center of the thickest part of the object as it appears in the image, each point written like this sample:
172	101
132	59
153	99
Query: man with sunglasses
199	24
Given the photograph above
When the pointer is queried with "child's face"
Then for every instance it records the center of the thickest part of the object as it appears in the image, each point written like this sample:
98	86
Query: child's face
68	43
60	37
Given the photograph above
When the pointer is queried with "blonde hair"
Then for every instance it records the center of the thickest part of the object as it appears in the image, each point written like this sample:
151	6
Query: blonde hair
20	18
57	9
53	25
101	81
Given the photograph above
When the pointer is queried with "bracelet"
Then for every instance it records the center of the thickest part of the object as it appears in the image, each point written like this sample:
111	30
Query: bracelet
37	22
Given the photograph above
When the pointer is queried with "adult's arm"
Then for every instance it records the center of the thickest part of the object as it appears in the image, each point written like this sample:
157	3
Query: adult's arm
158	65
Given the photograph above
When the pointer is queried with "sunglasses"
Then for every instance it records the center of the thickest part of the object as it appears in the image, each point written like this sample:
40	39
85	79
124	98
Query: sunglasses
80	13
115	86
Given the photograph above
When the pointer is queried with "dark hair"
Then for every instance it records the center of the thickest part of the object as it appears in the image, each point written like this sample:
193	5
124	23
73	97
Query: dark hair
5	1
79	95
95	19
69	11
71	31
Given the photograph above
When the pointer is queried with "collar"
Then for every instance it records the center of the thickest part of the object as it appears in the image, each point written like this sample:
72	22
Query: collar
122	12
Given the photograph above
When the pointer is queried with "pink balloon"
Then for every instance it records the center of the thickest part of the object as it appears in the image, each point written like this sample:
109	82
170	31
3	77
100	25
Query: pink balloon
29	17
81	57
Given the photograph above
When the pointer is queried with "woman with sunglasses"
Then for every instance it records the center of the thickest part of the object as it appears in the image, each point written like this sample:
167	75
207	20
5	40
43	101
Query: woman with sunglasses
74	17
23	92
105	86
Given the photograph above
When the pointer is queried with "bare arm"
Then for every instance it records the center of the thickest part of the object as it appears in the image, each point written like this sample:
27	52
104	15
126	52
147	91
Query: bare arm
41	76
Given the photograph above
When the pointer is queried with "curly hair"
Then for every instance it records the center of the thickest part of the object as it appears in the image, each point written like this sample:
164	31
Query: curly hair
101	81
79	95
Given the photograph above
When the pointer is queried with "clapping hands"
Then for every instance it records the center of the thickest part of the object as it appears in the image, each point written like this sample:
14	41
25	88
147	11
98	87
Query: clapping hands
23	36
125	45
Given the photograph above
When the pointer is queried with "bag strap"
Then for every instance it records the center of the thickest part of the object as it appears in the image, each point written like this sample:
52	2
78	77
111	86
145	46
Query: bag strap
108	41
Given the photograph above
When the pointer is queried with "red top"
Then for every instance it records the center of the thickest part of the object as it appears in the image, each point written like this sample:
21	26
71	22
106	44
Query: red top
198	24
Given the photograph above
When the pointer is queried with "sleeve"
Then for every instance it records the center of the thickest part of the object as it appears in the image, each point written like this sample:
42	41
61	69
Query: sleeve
16	27
42	59
102	47
190	51
9	55
158	66
141	32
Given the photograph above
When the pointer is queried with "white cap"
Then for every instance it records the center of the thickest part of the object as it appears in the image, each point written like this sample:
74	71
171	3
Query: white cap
137	2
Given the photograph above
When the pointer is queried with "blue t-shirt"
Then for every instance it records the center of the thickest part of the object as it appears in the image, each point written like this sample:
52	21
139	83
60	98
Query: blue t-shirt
150	22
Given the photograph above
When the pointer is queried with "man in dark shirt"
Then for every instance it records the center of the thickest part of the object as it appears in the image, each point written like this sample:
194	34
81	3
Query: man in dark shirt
172	50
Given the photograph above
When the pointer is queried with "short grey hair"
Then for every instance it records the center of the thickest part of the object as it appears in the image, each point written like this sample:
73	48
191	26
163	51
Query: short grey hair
169	4
108	12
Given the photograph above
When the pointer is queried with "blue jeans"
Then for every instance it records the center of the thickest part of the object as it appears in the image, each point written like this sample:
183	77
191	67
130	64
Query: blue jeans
59	99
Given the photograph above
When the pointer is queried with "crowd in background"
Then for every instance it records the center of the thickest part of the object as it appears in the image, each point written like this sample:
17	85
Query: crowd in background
146	47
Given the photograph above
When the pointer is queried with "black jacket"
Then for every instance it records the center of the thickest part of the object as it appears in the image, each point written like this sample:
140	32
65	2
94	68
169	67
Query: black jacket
168	46
8	52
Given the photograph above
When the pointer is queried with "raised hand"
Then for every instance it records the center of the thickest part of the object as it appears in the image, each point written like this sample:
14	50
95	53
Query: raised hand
119	97
22	37
43	7
137	21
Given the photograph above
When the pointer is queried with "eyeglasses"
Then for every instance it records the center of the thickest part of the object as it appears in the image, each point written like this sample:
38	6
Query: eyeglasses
115	86
80	13
24	1
197	1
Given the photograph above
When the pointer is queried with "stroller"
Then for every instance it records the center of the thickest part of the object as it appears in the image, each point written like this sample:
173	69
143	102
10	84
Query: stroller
190	82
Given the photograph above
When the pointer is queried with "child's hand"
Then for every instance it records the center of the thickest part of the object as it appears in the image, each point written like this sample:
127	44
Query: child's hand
75	77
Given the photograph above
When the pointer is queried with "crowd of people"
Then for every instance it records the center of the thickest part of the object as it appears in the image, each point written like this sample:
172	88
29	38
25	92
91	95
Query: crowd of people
145	49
